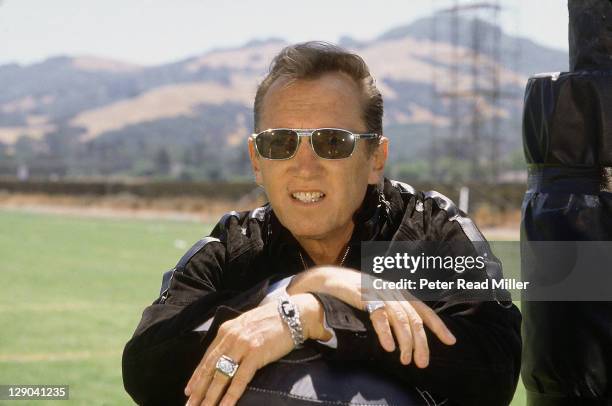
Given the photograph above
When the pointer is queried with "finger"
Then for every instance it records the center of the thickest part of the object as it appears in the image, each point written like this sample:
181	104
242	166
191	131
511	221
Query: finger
434	322
206	367
200	369
239	382
206	372
387	296
420	346
215	390
419	338
401	327
197	373
204	378
381	325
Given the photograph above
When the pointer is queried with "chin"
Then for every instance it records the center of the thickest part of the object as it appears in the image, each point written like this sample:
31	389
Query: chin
312	231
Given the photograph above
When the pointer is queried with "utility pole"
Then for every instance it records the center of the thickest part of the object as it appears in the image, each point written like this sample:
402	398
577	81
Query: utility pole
434	106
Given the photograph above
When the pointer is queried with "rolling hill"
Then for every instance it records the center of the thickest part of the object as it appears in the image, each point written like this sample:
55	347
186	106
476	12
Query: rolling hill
82	116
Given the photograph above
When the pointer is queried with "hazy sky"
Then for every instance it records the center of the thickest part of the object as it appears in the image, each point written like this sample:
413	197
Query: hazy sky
156	31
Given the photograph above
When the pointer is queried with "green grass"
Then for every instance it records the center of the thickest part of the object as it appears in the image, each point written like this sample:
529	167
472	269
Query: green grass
73	290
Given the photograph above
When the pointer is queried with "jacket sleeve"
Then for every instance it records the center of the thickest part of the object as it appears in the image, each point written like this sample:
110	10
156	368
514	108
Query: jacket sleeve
482	367
163	352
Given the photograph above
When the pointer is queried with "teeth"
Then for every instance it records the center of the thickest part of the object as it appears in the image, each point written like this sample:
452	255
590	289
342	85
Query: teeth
308	197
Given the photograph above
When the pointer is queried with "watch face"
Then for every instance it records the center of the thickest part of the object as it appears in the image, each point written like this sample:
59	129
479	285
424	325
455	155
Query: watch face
288	309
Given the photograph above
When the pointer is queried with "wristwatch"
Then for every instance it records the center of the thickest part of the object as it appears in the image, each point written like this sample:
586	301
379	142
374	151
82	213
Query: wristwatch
290	314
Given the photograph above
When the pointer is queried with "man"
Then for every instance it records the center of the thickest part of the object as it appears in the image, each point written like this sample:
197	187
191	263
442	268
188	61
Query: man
285	274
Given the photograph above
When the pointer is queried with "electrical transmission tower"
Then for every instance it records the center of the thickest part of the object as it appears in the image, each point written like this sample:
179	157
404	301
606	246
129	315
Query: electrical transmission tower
470	88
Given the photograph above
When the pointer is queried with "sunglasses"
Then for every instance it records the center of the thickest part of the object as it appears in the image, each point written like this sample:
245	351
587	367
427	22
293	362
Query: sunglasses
327	143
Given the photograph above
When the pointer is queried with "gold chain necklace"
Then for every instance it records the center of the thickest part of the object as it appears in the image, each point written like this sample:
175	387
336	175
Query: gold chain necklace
348	248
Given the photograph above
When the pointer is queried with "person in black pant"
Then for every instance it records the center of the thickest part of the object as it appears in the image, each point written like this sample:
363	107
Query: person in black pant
284	278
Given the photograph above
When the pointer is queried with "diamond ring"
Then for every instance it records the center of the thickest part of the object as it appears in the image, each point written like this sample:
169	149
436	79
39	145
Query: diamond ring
227	366
371	307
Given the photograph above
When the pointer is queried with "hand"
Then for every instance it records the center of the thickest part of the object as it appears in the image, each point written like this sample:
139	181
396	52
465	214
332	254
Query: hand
406	318
253	339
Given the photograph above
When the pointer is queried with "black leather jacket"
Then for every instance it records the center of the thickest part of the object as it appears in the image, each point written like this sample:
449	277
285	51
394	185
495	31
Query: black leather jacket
230	271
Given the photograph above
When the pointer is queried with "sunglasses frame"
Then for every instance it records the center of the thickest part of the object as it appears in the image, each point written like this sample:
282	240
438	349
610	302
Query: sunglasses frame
307	132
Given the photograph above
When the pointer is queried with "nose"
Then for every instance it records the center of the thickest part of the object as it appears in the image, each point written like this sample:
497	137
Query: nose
306	162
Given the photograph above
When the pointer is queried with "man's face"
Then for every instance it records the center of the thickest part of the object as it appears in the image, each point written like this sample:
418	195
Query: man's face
332	101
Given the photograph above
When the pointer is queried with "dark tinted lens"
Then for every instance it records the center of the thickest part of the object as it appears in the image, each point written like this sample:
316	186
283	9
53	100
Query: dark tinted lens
277	144
333	144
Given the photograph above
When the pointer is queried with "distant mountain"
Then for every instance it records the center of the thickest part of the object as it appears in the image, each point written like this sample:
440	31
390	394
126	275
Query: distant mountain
519	54
86	116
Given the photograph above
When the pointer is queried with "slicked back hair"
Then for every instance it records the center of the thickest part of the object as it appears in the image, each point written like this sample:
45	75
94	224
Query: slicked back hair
310	60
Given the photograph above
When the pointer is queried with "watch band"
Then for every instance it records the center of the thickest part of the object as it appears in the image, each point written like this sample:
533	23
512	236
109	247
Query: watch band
290	314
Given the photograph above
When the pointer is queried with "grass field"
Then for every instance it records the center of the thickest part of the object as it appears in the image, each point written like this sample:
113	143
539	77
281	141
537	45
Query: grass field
73	290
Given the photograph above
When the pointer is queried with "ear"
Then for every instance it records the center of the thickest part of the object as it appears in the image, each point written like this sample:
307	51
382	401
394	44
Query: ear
377	162
254	156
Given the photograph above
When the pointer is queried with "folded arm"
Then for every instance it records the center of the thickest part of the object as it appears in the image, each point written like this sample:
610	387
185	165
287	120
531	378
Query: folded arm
164	349
482	367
